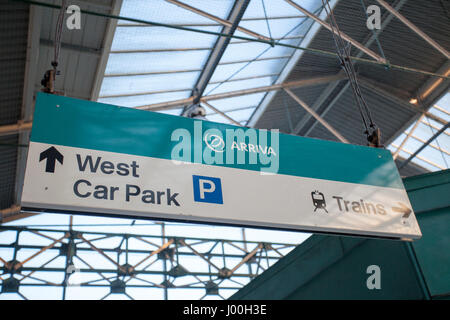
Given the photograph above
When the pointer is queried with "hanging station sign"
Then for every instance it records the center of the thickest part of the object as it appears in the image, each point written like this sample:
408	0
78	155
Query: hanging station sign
92	158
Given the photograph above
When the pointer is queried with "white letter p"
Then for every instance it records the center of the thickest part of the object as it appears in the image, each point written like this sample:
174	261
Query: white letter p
210	189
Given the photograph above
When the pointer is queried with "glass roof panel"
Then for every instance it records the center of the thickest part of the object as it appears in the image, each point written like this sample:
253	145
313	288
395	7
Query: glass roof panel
211	112
240	51
140	100
147	83
241	84
278	8
145	60
239	115
256	68
155	62
149	64
237	102
166	12
255	59
157	38
278	27
436	155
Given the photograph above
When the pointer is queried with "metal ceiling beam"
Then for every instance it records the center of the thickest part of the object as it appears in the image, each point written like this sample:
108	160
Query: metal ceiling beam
160	50
132	94
341	34
221	113
427	123
20	126
232	110
130	74
223	22
414	28
186	89
71	47
31	69
316	106
309	36
433	89
292	84
418	157
427	95
106	48
316	116
219	48
9	129
211	24
328	108
431	145
400	147
437	134
13	213
237	41
372	86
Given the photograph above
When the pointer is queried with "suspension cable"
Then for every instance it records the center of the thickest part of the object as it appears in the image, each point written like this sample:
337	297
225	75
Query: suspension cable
58	34
48	81
343	52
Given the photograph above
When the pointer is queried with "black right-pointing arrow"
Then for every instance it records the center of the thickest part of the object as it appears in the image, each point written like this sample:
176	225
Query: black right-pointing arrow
52	155
402	209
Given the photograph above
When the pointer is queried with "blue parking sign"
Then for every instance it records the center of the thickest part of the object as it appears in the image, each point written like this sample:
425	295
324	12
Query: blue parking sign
207	189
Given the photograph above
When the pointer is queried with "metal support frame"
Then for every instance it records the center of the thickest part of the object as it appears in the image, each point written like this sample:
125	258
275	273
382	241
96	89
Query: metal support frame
447	152
181	90
400	147
414	28
308	38
332	86
400	159
13	213
19	127
219	48
293	84
428	124
433	89
316	106
31	69
316	116
376	88
212	24
225	23
437	134
221	113
122	262
26	126
71	47
329	106
355	43
191	70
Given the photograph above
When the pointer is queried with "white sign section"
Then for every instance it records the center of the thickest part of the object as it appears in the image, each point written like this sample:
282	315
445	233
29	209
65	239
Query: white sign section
92	158
132	185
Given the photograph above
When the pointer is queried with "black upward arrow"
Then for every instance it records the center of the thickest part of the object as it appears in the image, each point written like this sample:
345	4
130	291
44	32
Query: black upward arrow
51	154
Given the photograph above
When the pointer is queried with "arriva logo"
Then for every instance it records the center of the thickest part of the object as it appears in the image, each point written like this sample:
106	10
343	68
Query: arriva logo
253	148
227	146
215	142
